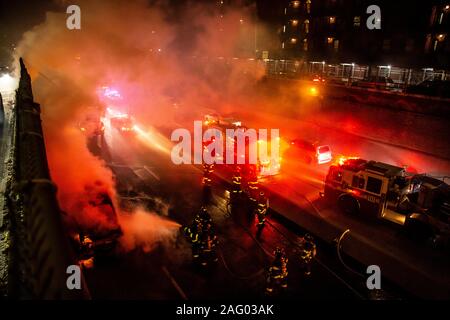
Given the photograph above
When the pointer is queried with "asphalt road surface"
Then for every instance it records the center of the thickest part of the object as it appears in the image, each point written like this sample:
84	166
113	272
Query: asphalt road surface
141	161
168	273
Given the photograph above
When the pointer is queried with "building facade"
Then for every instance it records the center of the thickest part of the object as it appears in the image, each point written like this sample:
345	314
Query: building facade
411	34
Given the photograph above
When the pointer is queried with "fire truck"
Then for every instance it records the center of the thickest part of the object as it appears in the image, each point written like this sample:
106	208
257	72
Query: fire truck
264	168
418	203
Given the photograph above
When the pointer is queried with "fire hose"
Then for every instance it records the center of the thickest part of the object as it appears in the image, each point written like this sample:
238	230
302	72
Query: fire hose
296	244
268	253
320	263
338	248
222	258
254	275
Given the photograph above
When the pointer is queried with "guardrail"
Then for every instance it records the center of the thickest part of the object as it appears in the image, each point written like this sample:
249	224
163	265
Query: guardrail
39	249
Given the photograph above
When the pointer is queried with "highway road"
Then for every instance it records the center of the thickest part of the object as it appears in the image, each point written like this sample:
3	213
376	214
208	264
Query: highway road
167	271
295	191
301	183
145	176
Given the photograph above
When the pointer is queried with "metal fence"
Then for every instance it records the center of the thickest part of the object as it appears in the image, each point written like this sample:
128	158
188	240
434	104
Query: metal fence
39	249
349	72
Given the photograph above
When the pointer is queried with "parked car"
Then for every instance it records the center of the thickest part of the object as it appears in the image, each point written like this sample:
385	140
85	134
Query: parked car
380	83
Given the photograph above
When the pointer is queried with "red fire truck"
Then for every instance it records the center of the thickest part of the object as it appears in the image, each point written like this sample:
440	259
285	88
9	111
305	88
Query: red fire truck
419	203
267	167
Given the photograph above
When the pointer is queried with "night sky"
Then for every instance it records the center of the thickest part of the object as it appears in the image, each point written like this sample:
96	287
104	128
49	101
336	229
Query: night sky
405	18
17	16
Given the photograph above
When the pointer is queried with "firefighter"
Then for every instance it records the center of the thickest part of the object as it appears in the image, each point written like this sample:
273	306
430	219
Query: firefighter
192	232
204	216
86	245
236	188
253	187
208	170
86	251
307	253
261	210
208	241
196	247
277	273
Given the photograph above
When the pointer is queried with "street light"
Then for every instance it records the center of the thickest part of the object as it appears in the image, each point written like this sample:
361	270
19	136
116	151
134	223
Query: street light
7	83
441	37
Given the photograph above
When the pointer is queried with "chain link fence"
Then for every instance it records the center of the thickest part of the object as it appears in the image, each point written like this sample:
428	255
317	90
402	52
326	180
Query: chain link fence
39	252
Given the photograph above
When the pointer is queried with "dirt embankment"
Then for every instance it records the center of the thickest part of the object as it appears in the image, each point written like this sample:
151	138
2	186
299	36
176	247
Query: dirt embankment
413	122
408	121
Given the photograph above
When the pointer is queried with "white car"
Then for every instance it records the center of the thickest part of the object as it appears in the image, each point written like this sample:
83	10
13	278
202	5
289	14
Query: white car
310	152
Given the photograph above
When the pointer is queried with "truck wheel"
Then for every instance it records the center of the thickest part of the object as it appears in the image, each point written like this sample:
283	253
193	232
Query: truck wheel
348	204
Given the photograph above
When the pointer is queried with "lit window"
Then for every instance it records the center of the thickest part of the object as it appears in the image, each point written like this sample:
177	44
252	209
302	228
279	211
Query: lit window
357	21
330	40
331	20
282	45
440	37
358	182
374	185
308	6
284	29
305	44
435	45
294	22
295	4
440	18
306	24
336	44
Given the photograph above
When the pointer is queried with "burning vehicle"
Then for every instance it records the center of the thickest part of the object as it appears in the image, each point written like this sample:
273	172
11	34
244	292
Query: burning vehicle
263	167
95	240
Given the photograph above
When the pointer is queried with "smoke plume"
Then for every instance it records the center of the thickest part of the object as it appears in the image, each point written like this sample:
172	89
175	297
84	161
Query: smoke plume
154	55
145	230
